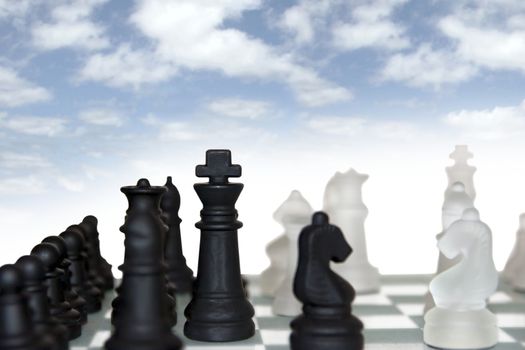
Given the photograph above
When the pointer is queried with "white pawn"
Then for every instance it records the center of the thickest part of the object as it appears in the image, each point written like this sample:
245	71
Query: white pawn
455	204
344	205
277	251
514	272
461	171
294	214
461	319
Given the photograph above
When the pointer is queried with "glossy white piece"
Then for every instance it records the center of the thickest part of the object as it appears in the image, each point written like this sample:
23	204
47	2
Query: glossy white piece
344	205
461	171
460	319
514	272
294	214
272	277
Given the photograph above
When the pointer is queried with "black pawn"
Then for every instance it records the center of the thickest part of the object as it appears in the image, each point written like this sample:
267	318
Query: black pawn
16	331
76	301
327	322
178	272
99	267
45	326
87	253
142	321
219	310
78	279
58	305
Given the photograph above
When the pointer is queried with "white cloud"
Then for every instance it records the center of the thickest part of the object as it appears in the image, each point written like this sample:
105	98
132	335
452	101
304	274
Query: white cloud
496	123
178	131
126	66
71	26
240	108
486	46
70	185
371	26
361	128
22	185
18	8
427	66
306	18
16	91
205	44
14	160
334	125
102	116
43	126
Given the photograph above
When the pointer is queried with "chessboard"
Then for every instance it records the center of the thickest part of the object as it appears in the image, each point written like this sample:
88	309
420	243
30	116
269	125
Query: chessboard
393	319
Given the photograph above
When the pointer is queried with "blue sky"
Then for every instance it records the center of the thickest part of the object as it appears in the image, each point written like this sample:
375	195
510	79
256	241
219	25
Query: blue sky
97	93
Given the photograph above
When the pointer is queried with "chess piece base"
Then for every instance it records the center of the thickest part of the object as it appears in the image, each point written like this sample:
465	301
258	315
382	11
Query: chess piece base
326	333
219	332
364	277
450	329
166	342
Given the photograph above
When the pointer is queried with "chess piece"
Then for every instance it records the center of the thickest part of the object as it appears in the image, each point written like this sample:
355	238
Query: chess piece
344	204
34	274
177	271
293	214
219	310
461	319
76	301
514	272
16	331
142	322
461	171
59	307
87	255
78	278
273	276
456	201
99	268
327	321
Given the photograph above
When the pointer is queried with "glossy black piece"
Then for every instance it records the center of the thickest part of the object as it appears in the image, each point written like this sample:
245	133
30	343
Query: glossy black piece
34	290
219	310
78	278
59	307
178	272
16	330
142	321
87	253
327	322
99	268
76	301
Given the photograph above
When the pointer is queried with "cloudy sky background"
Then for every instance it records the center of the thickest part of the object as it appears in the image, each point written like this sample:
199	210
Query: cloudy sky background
95	94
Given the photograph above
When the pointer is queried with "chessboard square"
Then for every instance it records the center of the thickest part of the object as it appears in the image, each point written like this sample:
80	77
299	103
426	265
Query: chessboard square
508	308
511	320
225	347
388	322
411	309
263	311
107	315
403	346
405	289
371	299
99	339
393	336
278	322
504	337
500	298
364	310
275	337
78	348
517	333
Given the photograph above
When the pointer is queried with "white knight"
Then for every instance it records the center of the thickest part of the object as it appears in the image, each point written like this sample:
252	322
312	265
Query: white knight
460	319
